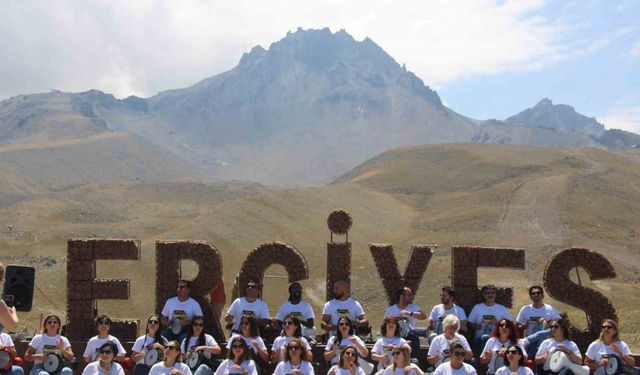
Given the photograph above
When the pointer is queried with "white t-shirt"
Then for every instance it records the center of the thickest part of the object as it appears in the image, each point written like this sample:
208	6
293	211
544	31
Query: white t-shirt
160	369
484	315
522	370
45	344
343	343
394	310
302	311
174	308
93	369
249	342
241	307
143	342
93	347
193	341
225	367
378	347
6	340
341	371
534	316
446	369
337	309
441	344
285	368
399	371
493	346
550	344
597	349
439	312
282	341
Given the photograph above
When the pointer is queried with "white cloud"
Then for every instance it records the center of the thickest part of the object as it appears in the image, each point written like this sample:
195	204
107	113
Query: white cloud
134	47
635	50
625	118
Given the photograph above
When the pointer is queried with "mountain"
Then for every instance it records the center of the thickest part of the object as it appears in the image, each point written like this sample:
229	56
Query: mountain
560	117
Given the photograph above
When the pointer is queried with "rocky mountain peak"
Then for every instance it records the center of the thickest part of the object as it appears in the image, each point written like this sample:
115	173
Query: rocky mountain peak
560	117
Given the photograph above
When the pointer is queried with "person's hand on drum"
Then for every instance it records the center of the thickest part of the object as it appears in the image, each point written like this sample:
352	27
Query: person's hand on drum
501	352
603	361
199	348
175	371
157	346
296	371
563	348
60	345
617	349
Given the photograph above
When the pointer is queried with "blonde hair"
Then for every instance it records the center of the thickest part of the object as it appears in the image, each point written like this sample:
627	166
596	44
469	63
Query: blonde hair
451	321
616	335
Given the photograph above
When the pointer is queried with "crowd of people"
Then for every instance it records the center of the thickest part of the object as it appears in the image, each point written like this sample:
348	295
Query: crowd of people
174	342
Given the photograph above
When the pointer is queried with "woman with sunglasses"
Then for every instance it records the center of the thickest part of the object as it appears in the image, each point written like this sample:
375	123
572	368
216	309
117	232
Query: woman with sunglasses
49	341
504	335
198	341
516	362
292	330
606	345
294	363
171	364
239	360
152	339
558	341
348	363
249	332
402	363
389	341
105	363
344	337
456	365
439	348
92	350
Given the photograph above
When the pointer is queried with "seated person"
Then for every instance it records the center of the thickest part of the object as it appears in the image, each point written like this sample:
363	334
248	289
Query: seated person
178	312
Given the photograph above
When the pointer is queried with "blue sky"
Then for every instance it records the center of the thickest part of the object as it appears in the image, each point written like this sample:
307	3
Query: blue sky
486	58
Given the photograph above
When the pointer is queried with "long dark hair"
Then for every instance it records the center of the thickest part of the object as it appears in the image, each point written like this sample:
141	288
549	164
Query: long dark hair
339	333
303	350
253	325
296	322
383	326
158	336
563	326
514	335
343	350
201	339
521	361
245	351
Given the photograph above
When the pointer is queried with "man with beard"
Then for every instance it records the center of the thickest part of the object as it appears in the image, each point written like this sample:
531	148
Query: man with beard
342	305
296	307
409	314
446	307
178	312
249	305
484	316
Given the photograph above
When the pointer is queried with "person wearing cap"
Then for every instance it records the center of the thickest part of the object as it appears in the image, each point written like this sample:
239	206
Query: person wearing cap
249	305
179	310
296	307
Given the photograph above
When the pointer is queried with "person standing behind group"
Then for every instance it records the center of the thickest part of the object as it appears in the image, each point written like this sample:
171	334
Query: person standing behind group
607	344
484	315
8	315
342	305
533	320
178	311
295	306
48	342
249	305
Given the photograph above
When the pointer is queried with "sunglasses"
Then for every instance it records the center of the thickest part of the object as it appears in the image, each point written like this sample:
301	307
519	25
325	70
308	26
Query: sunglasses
535	293
289	323
395	353
502	325
251	286
608	327
106	352
172	347
182	287
197	324
554	326
459	354
52	322
342	324
104	322
350	354
294	347
237	346
512	351
244	323
153	322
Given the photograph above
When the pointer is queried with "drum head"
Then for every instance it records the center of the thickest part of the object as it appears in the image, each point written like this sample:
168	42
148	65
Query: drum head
6	360
499	362
194	360
488	329
152	357
52	363
558	361
404	327
176	326
612	366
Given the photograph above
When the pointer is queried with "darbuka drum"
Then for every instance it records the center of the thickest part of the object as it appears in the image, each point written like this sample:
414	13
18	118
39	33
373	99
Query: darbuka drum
365	365
153	356
53	363
615	365
176	326
6	359
559	361
499	362
488	329
194	360
405	328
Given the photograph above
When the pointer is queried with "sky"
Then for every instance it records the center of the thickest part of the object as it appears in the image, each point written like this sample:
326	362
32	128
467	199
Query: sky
486	58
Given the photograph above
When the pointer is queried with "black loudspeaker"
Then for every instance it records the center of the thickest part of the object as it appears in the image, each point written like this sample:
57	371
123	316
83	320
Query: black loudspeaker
18	282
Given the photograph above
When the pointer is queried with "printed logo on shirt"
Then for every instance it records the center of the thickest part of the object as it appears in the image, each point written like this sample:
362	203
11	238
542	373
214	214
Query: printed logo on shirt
297	314
179	314
248	313
535	319
488	318
343	313
46	349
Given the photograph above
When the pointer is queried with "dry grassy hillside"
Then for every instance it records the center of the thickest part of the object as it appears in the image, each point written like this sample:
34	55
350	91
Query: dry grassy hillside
541	199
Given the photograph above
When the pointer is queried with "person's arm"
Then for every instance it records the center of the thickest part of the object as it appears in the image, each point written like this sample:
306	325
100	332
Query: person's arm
362	320
377	353
360	346
332	352
593	365
623	351
8	317
65	348
308	323
165	321
416	314
30	355
326	323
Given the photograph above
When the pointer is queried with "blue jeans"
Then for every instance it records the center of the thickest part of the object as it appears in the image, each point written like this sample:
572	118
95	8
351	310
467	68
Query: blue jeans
534	340
203	370
141	369
15	370
39	370
169	335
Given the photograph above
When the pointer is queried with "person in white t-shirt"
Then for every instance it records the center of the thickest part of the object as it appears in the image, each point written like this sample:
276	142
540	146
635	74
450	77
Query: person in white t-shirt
401	364
505	334
559	341
516	363
408	315
533	320
484	316
292	330
607	345
294	362
152	339
6	342
249	305
383	349
171	363
105	363
92	350
342	305
249	333
348	363
446	307
198	341
439	348
456	366
295	306
239	360
344	337
178	312
49	342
